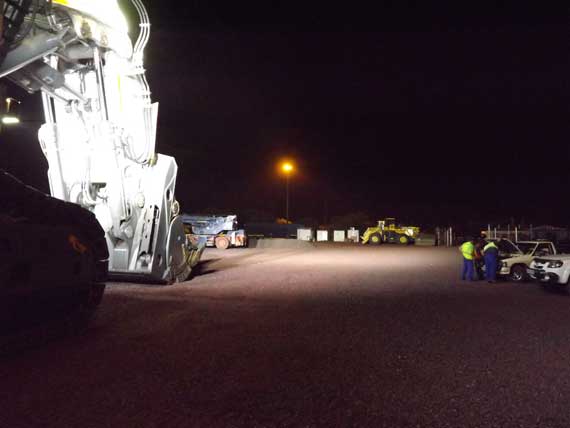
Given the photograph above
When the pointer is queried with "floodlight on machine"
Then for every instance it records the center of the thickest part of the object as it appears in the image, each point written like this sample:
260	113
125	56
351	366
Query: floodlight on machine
10	120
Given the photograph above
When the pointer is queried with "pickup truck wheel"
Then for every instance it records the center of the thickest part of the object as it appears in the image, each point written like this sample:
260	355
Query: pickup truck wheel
518	273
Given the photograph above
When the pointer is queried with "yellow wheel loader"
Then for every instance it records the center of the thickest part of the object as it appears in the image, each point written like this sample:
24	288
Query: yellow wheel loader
388	232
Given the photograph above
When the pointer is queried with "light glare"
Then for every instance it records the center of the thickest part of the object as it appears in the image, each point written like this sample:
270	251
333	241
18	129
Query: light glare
10	120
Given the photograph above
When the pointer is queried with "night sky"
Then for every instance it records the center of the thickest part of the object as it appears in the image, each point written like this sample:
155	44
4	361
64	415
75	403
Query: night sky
439	114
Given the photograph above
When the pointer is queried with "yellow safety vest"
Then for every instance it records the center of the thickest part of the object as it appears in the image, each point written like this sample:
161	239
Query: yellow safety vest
467	249
490	245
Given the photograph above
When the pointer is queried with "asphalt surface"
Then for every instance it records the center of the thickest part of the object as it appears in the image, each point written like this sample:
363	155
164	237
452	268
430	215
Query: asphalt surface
332	336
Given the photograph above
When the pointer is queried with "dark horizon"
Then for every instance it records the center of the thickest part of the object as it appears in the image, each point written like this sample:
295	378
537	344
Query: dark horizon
433	114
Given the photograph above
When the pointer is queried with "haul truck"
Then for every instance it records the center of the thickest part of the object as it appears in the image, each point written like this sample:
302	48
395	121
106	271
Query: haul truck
100	127
220	231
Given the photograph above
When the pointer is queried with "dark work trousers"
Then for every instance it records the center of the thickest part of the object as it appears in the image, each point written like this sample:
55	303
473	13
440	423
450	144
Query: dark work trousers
491	266
479	263
468	269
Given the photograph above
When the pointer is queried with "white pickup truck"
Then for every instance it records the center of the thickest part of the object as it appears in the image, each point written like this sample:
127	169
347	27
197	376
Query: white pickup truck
551	269
515	258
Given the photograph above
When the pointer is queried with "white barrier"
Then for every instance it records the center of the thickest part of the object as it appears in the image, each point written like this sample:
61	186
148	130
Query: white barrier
353	235
338	236
305	234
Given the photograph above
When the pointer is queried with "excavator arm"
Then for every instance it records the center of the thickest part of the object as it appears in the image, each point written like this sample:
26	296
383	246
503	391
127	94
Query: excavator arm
100	127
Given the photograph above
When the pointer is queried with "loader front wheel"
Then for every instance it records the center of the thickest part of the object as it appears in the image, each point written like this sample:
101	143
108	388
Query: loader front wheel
375	239
222	243
403	239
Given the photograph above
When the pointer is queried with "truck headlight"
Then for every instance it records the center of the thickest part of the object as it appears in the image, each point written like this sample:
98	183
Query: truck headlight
504	264
555	264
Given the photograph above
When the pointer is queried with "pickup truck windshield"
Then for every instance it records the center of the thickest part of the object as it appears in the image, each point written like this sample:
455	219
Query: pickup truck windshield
507	247
526	247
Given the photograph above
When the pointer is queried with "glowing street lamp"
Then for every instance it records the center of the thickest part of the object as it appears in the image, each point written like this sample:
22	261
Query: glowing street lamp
287	168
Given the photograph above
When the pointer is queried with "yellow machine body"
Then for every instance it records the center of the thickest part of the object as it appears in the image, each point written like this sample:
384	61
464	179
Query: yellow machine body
388	231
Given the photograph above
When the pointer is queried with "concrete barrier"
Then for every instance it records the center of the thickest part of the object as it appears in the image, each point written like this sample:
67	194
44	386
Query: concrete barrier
339	236
305	235
279	243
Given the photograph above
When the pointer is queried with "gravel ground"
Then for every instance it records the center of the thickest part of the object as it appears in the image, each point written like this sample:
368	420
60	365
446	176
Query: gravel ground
325	336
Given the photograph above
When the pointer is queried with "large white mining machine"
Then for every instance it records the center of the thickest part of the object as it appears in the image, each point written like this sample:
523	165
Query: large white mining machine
100	127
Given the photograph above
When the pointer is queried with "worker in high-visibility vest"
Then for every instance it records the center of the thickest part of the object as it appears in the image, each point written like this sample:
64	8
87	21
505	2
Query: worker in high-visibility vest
491	254
468	252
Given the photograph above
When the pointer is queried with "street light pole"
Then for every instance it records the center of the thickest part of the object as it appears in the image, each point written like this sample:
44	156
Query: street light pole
287	199
287	169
